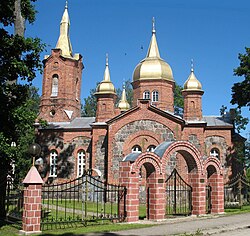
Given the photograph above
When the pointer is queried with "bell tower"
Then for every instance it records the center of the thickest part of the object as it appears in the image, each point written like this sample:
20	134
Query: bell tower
60	101
192	94
153	78
105	96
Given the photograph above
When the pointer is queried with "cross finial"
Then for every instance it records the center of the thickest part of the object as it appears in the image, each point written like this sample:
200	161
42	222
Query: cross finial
123	84
66	5
107	59
192	65
153	25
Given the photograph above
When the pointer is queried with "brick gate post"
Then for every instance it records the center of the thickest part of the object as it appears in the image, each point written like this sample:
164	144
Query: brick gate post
198	193
131	182
32	204
217	194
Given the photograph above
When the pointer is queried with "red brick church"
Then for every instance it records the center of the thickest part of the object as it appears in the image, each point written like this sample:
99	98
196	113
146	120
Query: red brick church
124	144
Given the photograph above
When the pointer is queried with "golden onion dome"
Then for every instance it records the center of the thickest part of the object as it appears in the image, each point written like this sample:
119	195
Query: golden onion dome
123	103
106	86
192	83
153	67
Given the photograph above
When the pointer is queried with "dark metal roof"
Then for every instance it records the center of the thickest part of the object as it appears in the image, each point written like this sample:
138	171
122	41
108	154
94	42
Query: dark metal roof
161	148
131	156
77	123
217	121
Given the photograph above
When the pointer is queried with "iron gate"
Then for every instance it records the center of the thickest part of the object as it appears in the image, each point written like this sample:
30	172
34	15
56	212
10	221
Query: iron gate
178	195
208	199
237	192
14	201
85	200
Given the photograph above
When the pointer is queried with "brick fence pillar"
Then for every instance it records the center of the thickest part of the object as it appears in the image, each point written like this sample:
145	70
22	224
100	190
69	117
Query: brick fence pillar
217	194
157	199
32	203
198	193
131	182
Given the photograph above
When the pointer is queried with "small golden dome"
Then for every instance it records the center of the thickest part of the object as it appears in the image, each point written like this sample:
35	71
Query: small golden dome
106	86
123	103
153	67
192	83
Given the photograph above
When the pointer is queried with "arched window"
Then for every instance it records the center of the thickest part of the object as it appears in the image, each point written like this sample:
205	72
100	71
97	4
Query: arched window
54	90
53	163
151	148
81	162
136	149
215	153
146	94
155	96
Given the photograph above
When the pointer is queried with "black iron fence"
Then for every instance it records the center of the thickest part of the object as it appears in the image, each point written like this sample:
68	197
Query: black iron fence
237	192
14	201
178	195
85	200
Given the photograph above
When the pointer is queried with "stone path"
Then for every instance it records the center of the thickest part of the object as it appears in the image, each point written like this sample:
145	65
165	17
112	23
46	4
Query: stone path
213	225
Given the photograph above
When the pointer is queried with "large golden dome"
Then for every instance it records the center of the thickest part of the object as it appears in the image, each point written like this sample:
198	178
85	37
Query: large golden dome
192	83
106	86
153	67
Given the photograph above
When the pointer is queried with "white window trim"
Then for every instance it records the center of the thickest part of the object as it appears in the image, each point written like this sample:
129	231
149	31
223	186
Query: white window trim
54	89
155	94
136	149
53	163
81	162
148	94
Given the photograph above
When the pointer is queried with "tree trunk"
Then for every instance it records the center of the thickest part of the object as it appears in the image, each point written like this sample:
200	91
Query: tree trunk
3	185
19	20
19	27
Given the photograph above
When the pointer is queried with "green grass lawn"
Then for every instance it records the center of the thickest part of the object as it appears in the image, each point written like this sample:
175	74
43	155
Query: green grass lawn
243	209
13	230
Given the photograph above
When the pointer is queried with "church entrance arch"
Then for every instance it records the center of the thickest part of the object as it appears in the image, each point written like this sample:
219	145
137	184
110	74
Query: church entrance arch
196	175
184	160
214	185
153	182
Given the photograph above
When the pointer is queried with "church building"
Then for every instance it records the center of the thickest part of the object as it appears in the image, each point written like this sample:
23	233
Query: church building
144	137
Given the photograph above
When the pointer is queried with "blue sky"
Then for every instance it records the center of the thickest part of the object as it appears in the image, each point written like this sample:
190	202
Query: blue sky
210	32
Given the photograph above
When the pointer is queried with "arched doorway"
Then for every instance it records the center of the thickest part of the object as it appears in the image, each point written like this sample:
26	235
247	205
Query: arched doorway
130	169
214	185
197	175
189	194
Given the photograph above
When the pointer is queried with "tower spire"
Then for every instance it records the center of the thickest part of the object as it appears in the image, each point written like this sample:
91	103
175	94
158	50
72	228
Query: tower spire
153	25
64	41
153	50
192	65
106	73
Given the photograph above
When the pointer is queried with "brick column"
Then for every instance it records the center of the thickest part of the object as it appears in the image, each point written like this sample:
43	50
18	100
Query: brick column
157	200
198	193
32	202
131	182
217	194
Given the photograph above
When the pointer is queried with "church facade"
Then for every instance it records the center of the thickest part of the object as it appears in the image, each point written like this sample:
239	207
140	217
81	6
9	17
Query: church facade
119	136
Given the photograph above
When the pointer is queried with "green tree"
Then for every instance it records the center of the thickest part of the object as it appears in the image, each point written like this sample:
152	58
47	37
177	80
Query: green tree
89	107
236	118
241	90
19	60
178	99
